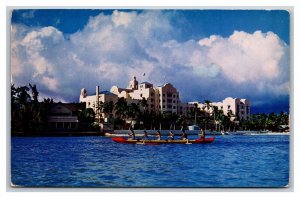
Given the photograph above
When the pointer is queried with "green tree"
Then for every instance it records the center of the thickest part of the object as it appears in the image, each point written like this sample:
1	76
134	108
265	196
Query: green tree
121	108
28	116
108	108
133	112
86	115
207	104
20	114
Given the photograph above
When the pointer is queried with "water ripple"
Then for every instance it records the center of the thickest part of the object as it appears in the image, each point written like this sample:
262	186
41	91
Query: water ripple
232	161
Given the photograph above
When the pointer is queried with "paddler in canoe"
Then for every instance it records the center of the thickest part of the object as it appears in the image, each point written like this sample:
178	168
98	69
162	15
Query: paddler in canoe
171	135
184	135
158	135
145	136
202	135
131	135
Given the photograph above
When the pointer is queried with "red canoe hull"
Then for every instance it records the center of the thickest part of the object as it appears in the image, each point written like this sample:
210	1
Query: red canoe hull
197	141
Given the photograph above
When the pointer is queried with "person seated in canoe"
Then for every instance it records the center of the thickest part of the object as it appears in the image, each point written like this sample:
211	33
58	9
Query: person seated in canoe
171	135
202	135
131	134
184	135
158	135
145	136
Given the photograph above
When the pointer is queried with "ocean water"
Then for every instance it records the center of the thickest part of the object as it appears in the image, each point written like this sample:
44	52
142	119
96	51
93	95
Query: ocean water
230	161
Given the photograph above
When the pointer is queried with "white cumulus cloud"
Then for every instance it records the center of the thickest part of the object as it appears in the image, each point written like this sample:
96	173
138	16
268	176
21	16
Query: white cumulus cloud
110	49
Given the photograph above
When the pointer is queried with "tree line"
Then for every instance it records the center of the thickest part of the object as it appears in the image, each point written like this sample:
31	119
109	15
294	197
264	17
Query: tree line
120	112
29	116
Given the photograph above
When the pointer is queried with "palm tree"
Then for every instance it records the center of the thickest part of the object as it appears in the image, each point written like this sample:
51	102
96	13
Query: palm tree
108	107
86	115
145	114
207	117
173	117
143	104
121	107
283	119
133	112
216	115
99	111
35	93
158	118
20	115
27	114
207	104
195	109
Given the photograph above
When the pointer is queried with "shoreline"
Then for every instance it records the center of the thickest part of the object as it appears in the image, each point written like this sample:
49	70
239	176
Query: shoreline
124	133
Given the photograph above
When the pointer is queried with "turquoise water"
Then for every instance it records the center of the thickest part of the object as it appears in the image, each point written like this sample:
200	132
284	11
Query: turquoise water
230	161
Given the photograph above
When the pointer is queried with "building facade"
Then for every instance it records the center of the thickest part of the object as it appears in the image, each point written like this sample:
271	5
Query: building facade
62	116
162	99
93	101
158	99
233	107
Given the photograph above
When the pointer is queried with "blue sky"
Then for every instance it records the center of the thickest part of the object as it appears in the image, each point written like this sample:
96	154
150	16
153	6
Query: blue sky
206	54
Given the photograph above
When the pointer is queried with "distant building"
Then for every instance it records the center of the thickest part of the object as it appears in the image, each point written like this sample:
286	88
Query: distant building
158	99
135	93
93	101
235	107
63	116
161	99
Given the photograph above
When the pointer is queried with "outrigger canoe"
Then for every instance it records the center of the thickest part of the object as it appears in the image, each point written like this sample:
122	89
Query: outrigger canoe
129	141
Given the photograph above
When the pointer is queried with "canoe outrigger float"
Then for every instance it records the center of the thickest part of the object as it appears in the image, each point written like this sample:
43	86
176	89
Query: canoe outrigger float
129	141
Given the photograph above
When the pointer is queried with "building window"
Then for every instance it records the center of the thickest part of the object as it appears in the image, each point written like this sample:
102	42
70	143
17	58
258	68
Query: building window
164	95
164	106
152	99
152	94
164	100
174	107
141	95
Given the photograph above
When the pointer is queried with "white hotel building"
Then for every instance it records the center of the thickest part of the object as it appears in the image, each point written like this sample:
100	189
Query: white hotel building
238	107
159	99
162	99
